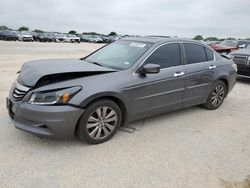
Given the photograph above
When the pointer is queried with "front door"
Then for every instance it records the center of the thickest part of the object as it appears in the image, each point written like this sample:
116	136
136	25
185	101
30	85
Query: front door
156	93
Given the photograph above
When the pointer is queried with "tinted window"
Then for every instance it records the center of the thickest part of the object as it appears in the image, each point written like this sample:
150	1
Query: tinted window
210	54
166	56
194	53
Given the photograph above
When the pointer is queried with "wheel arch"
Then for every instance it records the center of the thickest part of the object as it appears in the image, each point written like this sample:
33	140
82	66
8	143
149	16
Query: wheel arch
225	80
115	97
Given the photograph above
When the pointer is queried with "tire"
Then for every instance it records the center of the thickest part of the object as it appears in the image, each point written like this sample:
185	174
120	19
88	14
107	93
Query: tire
100	121
216	96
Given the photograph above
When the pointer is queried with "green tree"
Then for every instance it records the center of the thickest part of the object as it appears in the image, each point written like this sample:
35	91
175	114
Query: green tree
72	32
198	37
212	39
23	28
112	33
3	27
90	33
230	38
38	31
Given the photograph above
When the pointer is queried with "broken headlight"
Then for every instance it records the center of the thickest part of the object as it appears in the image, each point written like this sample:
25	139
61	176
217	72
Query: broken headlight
60	96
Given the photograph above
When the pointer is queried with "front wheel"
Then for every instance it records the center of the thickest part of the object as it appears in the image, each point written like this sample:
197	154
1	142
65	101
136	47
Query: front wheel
216	96
100	122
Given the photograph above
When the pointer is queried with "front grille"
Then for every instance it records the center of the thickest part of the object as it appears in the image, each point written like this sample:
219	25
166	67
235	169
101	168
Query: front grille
240	60
243	70
19	91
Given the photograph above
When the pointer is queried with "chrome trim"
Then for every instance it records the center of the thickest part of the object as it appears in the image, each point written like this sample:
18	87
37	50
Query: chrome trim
21	87
19	91
212	67
178	74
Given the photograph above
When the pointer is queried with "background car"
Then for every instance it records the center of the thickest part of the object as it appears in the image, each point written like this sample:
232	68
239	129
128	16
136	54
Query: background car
45	37
242	58
59	37
25	36
9	35
228	46
72	38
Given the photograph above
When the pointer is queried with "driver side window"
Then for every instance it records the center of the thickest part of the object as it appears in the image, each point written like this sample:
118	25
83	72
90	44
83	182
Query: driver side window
166	56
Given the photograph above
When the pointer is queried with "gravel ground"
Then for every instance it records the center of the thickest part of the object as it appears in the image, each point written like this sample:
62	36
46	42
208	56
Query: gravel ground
192	148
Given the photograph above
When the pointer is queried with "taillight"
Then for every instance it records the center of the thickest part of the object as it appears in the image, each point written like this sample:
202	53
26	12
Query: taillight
235	67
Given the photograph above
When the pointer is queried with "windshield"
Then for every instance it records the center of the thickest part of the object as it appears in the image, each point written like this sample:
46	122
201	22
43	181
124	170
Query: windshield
120	54
229	43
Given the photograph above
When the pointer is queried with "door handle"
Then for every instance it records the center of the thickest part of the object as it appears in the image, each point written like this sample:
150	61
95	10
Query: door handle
178	74
212	67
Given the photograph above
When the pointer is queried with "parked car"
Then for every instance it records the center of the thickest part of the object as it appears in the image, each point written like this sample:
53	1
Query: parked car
106	39
242	58
212	43
95	39
129	79
45	37
84	38
25	36
228	46
72	38
60	37
9	36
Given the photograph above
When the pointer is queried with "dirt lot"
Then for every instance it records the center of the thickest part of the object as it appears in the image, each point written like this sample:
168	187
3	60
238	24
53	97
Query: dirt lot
188	148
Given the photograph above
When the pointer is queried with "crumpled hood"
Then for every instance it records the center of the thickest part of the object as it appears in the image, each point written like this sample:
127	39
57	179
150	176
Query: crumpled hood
244	51
32	71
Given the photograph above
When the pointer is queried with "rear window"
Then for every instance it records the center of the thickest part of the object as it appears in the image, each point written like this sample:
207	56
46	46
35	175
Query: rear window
210	54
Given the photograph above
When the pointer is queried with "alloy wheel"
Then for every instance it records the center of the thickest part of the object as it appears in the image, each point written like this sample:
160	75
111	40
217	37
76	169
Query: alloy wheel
218	95
101	122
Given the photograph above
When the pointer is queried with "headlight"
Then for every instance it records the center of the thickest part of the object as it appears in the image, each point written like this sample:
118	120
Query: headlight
60	96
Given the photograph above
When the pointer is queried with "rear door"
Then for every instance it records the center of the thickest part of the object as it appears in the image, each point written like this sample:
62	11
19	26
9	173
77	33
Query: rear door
200	71
156	93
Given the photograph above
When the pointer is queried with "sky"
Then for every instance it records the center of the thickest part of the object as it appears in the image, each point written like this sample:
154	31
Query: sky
182	18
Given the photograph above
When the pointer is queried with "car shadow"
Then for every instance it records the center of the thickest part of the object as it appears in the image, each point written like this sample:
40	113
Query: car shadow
243	80
137	126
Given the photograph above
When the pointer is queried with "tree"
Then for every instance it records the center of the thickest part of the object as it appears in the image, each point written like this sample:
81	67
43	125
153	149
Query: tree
90	33
198	37
38	31
72	32
230	38
112	33
212	39
3	27
23	28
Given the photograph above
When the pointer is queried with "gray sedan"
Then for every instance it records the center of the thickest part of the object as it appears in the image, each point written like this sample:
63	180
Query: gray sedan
129	79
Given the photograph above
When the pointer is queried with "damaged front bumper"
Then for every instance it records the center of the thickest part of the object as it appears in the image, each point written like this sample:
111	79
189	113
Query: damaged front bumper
46	121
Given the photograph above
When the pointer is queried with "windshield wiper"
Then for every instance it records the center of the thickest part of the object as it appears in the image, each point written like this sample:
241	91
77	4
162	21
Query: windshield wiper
96	63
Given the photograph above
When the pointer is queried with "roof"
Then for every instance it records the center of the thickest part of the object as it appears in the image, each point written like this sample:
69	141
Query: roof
155	39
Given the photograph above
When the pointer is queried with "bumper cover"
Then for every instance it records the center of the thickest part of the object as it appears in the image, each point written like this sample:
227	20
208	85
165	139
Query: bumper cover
46	121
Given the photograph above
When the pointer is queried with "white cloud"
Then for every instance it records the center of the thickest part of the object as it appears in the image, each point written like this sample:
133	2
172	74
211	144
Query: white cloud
184	18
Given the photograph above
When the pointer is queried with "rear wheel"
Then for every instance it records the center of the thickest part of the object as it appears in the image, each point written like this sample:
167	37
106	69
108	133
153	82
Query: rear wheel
100	122
216	96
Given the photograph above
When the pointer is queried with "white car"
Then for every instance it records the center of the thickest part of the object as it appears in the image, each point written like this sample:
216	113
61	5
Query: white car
25	36
72	38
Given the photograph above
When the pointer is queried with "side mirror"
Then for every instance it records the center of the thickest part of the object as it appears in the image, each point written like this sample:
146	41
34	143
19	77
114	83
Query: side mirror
151	69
